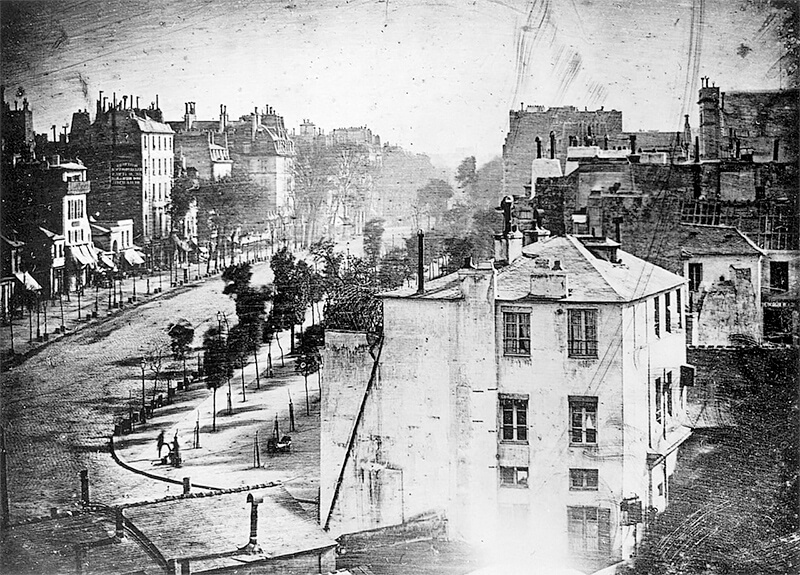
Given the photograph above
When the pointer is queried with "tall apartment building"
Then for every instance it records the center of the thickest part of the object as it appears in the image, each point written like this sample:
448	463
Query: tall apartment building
535	404
46	203
130	153
260	145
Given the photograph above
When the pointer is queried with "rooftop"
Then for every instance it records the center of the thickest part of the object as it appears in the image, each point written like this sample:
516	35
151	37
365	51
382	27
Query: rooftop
591	279
702	240
215	527
151	126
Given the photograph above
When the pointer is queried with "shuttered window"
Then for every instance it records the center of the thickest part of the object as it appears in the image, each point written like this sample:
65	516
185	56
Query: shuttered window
589	530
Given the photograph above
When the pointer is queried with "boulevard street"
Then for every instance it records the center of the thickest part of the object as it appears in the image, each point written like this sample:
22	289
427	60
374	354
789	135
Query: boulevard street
60	406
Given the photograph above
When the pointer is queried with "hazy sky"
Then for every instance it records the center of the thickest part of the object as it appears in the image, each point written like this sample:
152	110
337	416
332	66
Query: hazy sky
436	76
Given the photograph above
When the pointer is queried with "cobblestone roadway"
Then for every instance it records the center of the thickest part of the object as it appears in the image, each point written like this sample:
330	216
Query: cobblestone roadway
59	407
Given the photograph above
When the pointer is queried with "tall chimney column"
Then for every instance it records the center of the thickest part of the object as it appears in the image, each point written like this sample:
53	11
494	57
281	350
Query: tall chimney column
252	545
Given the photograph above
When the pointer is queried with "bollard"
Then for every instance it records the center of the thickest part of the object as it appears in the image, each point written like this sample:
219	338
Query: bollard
187	485
85	487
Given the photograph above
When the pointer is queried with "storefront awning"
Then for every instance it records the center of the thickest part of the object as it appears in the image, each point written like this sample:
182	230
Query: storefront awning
27	280
133	257
107	261
84	255
182	244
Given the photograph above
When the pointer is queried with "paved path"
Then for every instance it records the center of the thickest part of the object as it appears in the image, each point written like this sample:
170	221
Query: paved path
59	407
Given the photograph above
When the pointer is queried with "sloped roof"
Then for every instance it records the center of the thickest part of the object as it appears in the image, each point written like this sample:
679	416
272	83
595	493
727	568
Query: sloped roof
151	126
220	524
590	279
699	240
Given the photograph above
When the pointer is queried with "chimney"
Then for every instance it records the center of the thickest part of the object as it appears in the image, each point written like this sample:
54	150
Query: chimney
119	522
633	144
252	546
538	148
696	149
124	101
617	221
547	282
508	246
254	125
420	262
84	487
552	145
221	118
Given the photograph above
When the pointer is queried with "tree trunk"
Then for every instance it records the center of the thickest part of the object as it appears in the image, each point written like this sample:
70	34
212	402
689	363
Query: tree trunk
214	411
255	358
278	341
244	395
291	341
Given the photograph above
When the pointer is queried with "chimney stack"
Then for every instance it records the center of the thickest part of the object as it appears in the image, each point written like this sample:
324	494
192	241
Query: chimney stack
633	144
420	264
538	148
119	522
552	145
84	487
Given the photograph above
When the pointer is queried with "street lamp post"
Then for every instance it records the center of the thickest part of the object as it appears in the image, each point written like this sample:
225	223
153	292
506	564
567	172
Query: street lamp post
134	285
143	365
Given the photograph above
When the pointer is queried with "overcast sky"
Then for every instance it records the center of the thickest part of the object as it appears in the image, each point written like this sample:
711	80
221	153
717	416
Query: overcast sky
436	76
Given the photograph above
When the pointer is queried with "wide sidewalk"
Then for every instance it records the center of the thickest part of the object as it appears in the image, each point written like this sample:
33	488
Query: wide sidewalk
236	454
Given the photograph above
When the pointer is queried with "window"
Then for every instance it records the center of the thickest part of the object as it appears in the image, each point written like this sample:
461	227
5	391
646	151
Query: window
514	413
657	316
668	392
779	276
583	479
516	333
582	332
659	401
583	419
667	313
517	476
589	530
679	305
695	276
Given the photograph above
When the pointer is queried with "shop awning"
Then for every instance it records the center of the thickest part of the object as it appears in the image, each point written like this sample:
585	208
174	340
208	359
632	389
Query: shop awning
182	244
106	260
27	280
84	255
133	257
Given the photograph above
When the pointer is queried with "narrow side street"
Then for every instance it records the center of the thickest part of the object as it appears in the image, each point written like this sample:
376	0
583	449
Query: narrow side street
60	407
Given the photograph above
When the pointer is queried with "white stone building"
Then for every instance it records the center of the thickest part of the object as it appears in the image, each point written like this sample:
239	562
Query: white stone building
535	404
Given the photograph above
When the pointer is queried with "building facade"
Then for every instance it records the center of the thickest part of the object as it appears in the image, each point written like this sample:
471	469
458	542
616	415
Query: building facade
537	404
130	152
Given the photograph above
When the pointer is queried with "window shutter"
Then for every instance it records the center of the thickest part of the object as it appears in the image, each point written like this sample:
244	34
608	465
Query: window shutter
604	530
